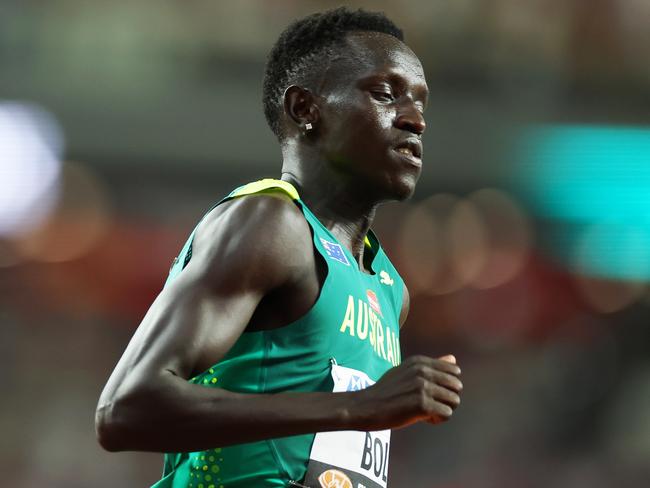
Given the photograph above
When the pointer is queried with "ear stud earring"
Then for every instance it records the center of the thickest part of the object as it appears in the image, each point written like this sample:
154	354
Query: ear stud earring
308	126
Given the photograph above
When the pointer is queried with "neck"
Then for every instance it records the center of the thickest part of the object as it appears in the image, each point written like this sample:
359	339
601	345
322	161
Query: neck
338	202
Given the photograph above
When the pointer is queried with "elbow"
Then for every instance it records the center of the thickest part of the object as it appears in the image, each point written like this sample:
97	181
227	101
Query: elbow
123	420
107	428
117	420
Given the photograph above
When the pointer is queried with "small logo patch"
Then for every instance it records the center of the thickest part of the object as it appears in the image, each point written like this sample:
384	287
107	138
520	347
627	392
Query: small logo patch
333	478
373	301
357	383
385	278
335	251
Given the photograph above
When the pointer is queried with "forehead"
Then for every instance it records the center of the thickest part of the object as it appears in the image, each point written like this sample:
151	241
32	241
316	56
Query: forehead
373	53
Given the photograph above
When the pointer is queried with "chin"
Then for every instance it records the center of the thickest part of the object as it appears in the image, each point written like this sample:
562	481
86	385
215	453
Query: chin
404	194
404	188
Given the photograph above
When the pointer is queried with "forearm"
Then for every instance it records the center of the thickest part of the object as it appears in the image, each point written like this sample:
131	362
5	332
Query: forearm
179	416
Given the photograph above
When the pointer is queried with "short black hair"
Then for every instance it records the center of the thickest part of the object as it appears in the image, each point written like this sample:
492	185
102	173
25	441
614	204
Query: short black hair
299	50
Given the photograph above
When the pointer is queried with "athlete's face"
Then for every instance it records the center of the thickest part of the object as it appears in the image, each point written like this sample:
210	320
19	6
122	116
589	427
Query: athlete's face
373	100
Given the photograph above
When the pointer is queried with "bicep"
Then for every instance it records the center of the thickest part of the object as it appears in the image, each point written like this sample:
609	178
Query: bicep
188	321
198	316
189	318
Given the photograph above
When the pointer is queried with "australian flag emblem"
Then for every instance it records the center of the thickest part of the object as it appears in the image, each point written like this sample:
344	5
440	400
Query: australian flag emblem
335	251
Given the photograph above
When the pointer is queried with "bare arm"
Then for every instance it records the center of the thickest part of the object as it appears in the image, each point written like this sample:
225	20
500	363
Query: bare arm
148	404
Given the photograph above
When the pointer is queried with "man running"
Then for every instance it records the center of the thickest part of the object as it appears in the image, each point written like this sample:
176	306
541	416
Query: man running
271	358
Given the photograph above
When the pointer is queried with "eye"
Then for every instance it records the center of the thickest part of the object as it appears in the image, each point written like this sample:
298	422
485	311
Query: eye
382	95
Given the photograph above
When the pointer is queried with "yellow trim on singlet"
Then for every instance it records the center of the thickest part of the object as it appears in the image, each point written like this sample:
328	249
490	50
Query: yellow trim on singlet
270	183
266	184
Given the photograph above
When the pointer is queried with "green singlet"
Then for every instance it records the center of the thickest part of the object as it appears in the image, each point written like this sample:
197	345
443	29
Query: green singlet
354	323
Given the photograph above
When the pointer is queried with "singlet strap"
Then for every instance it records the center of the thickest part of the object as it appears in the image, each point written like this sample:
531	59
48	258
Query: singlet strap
264	185
260	186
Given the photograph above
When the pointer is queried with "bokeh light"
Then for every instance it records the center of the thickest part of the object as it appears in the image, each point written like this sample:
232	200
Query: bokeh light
78	222
627	248
468	241
418	249
448	242
608	295
607	246
425	247
508	237
30	146
595	176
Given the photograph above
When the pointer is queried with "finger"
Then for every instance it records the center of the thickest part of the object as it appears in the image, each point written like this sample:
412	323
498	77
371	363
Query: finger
450	358
445	396
448	381
446	366
440	413
417	363
441	378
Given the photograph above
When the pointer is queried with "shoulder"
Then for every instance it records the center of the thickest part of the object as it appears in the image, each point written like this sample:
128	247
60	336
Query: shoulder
248	213
258	234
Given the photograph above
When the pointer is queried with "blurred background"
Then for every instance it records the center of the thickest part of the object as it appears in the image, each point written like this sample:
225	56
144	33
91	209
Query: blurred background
526	247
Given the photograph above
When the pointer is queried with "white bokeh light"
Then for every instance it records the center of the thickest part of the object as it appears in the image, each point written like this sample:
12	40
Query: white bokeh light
30	146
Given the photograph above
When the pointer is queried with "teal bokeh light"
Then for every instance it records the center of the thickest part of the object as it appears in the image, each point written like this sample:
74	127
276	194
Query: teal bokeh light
595	182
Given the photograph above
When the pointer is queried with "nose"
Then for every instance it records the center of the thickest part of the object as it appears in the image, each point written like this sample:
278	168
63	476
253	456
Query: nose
410	118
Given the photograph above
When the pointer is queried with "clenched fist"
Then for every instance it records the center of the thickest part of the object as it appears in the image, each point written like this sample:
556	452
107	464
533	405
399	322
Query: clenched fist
419	389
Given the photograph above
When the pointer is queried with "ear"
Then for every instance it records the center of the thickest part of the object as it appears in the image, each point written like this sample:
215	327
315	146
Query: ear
300	106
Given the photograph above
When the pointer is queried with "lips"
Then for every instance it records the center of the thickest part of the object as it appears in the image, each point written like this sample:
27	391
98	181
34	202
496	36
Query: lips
410	148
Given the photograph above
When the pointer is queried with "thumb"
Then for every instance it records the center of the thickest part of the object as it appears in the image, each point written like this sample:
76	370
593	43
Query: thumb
450	358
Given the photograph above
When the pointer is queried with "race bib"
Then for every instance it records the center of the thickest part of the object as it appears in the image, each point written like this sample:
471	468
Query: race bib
349	459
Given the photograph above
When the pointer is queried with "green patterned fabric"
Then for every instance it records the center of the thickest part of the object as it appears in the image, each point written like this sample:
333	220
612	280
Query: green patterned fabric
355	321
